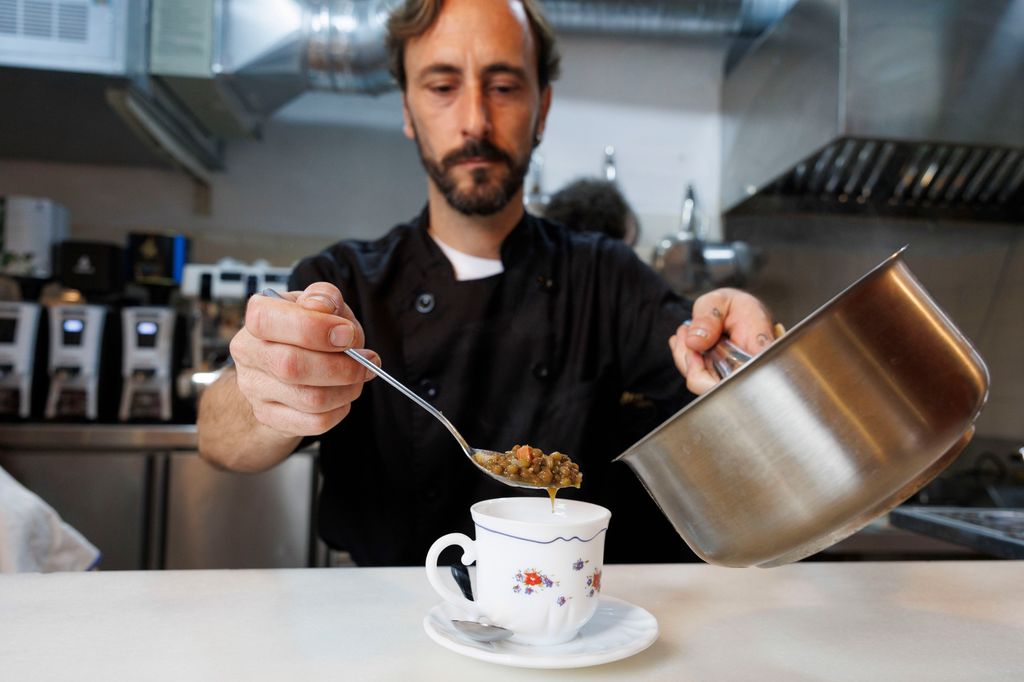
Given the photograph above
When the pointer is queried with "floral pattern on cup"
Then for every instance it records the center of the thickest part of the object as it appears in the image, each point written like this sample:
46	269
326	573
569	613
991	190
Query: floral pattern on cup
594	582
579	563
531	580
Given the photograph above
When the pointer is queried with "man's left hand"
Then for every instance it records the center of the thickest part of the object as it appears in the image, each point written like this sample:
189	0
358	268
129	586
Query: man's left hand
740	316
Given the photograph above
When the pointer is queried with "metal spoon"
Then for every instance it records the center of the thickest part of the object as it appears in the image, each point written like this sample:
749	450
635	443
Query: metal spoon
481	632
475	454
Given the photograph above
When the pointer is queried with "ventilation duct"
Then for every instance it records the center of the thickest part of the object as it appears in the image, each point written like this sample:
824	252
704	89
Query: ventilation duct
236	61
670	18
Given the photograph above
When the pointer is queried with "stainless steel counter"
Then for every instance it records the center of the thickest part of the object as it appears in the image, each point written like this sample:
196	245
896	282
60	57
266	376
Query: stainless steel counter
141	438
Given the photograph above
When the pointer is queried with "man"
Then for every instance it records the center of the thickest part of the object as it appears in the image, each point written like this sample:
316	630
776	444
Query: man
516	329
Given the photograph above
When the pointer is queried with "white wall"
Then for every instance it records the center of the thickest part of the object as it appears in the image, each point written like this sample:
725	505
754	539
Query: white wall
330	167
657	103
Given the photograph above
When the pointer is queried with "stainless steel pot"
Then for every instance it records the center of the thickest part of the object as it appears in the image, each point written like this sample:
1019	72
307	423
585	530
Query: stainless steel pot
844	417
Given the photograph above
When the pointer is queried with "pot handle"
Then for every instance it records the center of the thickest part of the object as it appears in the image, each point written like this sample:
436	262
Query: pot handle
726	357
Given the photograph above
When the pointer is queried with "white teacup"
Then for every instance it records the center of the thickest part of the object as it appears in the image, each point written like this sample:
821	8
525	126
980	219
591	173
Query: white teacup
538	572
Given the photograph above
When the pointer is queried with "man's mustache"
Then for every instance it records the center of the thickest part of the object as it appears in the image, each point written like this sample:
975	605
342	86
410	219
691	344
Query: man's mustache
475	149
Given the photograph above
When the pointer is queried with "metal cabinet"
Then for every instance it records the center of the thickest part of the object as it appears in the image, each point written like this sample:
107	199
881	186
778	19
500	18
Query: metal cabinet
106	497
145	498
220	519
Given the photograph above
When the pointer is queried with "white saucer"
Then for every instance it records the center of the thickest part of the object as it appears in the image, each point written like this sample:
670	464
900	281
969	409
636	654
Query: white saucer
617	630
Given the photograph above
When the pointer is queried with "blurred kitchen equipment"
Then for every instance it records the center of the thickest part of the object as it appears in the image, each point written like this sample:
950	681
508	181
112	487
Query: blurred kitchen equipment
535	198
157	259
998	532
689	264
608	169
841	419
84	347
22	372
94	268
230	280
147	367
29	228
216	295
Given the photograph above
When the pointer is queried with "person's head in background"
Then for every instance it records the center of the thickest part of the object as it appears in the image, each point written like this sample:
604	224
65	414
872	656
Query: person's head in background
591	205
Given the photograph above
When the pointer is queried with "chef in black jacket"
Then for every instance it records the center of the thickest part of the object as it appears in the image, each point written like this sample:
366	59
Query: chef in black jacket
518	330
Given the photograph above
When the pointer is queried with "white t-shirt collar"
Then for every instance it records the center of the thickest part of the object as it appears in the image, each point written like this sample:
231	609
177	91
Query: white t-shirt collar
469	267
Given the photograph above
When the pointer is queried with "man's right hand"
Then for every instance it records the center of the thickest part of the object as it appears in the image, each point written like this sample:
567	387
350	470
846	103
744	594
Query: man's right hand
289	362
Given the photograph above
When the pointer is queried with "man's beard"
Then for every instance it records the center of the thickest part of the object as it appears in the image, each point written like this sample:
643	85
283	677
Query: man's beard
484	197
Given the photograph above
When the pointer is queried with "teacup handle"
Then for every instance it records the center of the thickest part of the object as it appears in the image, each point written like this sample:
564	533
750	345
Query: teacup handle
468	557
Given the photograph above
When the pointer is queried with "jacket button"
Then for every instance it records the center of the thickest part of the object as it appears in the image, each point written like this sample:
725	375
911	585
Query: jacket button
429	389
545	283
541	371
425	303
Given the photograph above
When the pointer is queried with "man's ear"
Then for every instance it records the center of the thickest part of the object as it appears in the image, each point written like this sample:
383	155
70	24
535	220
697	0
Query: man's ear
407	126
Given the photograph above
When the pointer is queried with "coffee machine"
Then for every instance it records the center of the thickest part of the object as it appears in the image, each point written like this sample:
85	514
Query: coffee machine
147	370
219	293
29	227
21	373
83	342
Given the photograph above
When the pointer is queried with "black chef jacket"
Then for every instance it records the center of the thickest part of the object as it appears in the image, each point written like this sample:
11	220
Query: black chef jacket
539	354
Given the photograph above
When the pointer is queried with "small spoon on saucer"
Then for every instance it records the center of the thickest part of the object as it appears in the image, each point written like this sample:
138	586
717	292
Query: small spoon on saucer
478	457
481	632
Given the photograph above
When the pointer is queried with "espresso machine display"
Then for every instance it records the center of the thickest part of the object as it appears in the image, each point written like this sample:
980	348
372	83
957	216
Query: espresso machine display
19	331
76	342
147	366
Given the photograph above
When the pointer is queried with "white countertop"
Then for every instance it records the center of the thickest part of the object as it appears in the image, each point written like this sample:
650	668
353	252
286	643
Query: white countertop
810	621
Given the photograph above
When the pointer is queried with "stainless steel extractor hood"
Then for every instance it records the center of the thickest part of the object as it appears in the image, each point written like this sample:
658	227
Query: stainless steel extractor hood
912	107
162	82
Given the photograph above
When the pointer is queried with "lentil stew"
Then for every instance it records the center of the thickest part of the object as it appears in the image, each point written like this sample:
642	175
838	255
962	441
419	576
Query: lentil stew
526	464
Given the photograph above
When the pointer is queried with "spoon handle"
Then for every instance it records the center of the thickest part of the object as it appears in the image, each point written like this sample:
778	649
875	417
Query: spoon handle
398	385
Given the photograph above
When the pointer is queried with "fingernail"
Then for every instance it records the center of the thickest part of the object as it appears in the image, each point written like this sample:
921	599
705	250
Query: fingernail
323	301
699	331
342	335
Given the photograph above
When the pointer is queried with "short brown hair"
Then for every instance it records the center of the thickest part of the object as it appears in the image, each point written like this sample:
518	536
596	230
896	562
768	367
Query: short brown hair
591	205
414	17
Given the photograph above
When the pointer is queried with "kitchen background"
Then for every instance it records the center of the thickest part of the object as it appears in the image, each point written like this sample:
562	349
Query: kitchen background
648	79
331	166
